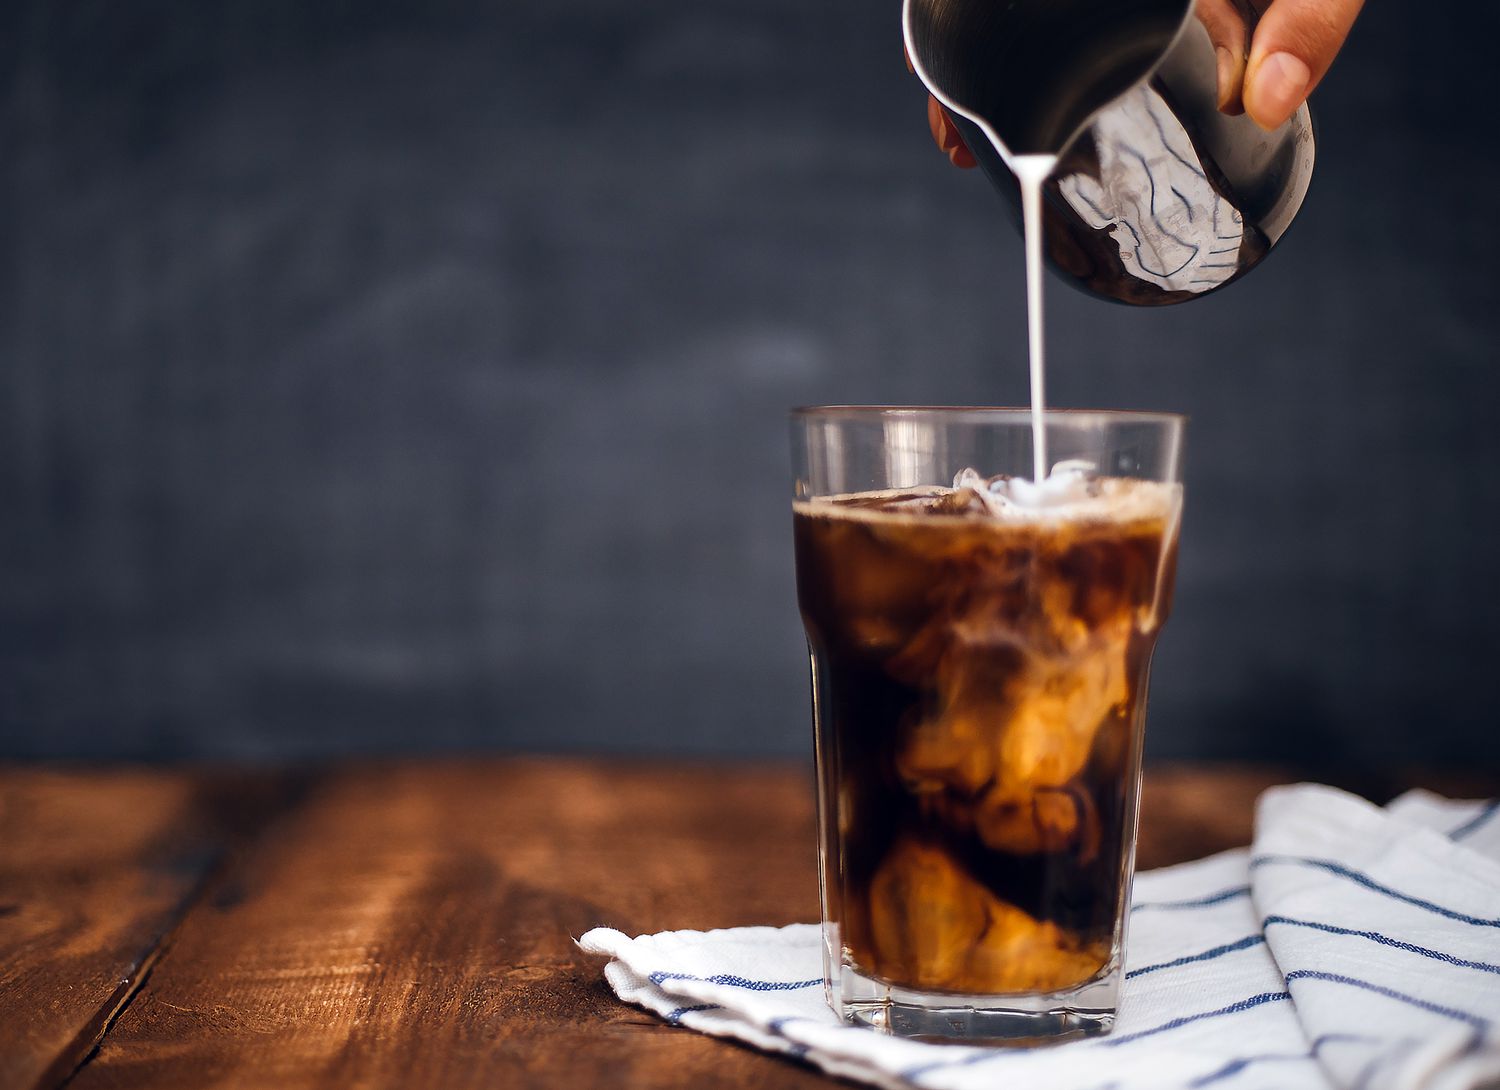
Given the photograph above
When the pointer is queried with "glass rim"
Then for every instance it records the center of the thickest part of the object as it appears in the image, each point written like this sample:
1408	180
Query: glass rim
983	412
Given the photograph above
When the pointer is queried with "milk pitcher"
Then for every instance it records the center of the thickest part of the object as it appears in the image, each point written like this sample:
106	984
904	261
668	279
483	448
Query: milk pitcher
1157	197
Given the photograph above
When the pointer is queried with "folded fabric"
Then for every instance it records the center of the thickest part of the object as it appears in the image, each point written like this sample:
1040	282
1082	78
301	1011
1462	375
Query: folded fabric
1350	948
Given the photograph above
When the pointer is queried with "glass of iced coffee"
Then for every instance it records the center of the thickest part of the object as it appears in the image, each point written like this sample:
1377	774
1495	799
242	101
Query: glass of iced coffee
980	651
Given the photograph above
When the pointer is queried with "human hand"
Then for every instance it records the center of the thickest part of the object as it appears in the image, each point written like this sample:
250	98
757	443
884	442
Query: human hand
945	132
1267	77
1294	43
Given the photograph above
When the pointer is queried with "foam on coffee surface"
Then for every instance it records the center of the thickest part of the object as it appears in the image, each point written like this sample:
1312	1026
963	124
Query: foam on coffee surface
1072	492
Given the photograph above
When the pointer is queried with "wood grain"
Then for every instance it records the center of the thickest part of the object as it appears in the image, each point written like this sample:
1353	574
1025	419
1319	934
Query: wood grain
1189	811
411	924
95	869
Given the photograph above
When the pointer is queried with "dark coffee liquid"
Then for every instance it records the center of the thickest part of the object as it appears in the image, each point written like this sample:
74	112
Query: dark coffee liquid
979	687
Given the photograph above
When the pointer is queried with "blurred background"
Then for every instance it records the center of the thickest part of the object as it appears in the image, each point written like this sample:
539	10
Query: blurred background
395	377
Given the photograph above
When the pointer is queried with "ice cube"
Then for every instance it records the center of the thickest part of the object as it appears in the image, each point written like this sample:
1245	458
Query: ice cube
927	915
934	926
1031	819
1019	953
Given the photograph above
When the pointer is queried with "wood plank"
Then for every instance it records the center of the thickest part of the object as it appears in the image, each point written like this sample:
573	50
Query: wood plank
1189	810
1192	810
95	869
412	927
411	924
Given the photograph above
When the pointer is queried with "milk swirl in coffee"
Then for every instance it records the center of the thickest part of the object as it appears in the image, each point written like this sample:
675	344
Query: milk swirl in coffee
980	670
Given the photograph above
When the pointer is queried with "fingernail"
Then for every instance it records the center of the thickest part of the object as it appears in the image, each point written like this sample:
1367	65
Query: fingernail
1226	75
1280	85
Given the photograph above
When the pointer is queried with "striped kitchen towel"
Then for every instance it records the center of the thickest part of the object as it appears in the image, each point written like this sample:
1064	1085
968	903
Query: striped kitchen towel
1350	947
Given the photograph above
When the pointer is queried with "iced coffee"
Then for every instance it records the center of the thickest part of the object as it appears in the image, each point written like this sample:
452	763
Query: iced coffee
980	657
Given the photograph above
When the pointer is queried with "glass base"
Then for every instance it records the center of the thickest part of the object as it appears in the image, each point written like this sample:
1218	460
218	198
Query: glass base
1017	1020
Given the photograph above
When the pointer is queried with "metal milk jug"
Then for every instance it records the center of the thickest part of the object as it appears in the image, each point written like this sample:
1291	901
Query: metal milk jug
1157	197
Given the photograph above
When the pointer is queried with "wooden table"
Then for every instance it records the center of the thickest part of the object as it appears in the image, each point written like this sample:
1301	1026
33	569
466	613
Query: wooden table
409	924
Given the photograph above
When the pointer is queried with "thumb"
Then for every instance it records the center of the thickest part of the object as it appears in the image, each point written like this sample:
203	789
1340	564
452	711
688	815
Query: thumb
1293	46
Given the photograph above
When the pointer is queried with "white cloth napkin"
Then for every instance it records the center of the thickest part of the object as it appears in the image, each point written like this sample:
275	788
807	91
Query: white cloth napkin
1351	948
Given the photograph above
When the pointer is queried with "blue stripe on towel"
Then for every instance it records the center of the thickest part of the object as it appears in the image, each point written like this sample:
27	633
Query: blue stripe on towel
1203	1016
1195	902
1235	1066
1385	940
1480	819
1369	883
675	1017
738	981
978	1054
981	1055
795	1049
1207	955
1474	1021
1399	1051
778	1025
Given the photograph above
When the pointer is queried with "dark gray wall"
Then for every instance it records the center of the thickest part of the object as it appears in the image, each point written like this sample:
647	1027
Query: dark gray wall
384	376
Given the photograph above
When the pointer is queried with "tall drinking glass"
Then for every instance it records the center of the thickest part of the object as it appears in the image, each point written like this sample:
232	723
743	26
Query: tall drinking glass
980	654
